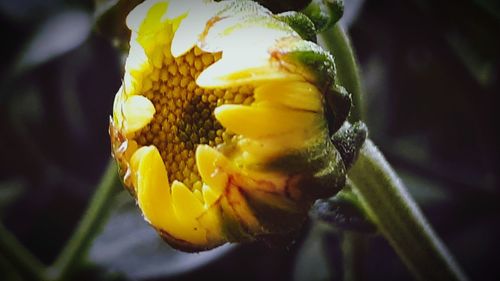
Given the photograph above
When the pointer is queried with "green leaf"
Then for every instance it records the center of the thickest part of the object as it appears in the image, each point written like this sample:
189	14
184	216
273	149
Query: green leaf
56	36
10	191
312	263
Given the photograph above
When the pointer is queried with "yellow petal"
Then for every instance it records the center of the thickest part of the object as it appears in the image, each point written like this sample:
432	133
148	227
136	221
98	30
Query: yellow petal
136	68
157	204
258	122
193	25
210	221
130	84
186	206
179	8
138	111
153	191
117	105
234	202
197	193
135	160
209	196
212	167
145	16
260	151
248	25
296	94
187	209
137	58
235	69
244	39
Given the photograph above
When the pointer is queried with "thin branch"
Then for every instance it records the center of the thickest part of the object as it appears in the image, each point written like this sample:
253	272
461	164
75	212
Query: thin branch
24	263
92	221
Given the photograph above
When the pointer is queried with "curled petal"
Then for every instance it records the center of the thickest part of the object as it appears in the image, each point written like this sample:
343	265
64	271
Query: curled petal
257	120
137	112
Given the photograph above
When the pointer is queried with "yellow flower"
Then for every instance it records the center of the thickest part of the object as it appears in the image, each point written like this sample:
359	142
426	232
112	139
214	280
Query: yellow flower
219	128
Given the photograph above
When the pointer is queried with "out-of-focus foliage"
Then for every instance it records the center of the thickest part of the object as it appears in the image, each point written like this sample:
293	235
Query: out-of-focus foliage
126	233
54	38
434	119
430	75
313	262
109	16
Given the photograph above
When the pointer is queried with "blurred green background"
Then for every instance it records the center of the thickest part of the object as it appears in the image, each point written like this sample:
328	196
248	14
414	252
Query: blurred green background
430	73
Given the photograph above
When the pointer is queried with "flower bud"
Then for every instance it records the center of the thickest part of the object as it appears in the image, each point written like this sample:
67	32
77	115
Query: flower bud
220	128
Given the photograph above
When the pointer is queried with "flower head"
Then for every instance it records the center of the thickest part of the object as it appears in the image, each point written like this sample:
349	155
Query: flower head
219	127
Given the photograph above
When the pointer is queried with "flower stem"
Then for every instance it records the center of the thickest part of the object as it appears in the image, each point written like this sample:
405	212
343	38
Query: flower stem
398	218
92	221
24	263
337	42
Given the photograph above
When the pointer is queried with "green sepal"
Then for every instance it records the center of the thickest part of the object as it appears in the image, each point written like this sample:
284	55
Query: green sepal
342	212
233	228
328	180
310	60
324	13
274	218
349	140
316	171
321	167
339	103
300	23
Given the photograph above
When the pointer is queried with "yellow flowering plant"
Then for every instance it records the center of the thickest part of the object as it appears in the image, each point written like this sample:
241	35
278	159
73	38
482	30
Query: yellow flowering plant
226	129
230	126
220	126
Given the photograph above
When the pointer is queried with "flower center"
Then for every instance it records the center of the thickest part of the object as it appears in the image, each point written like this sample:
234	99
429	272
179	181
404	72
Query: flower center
184	113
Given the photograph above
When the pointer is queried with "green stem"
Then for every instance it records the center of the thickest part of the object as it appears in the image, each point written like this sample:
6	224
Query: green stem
353	247
337	42
387	203
24	263
92	221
